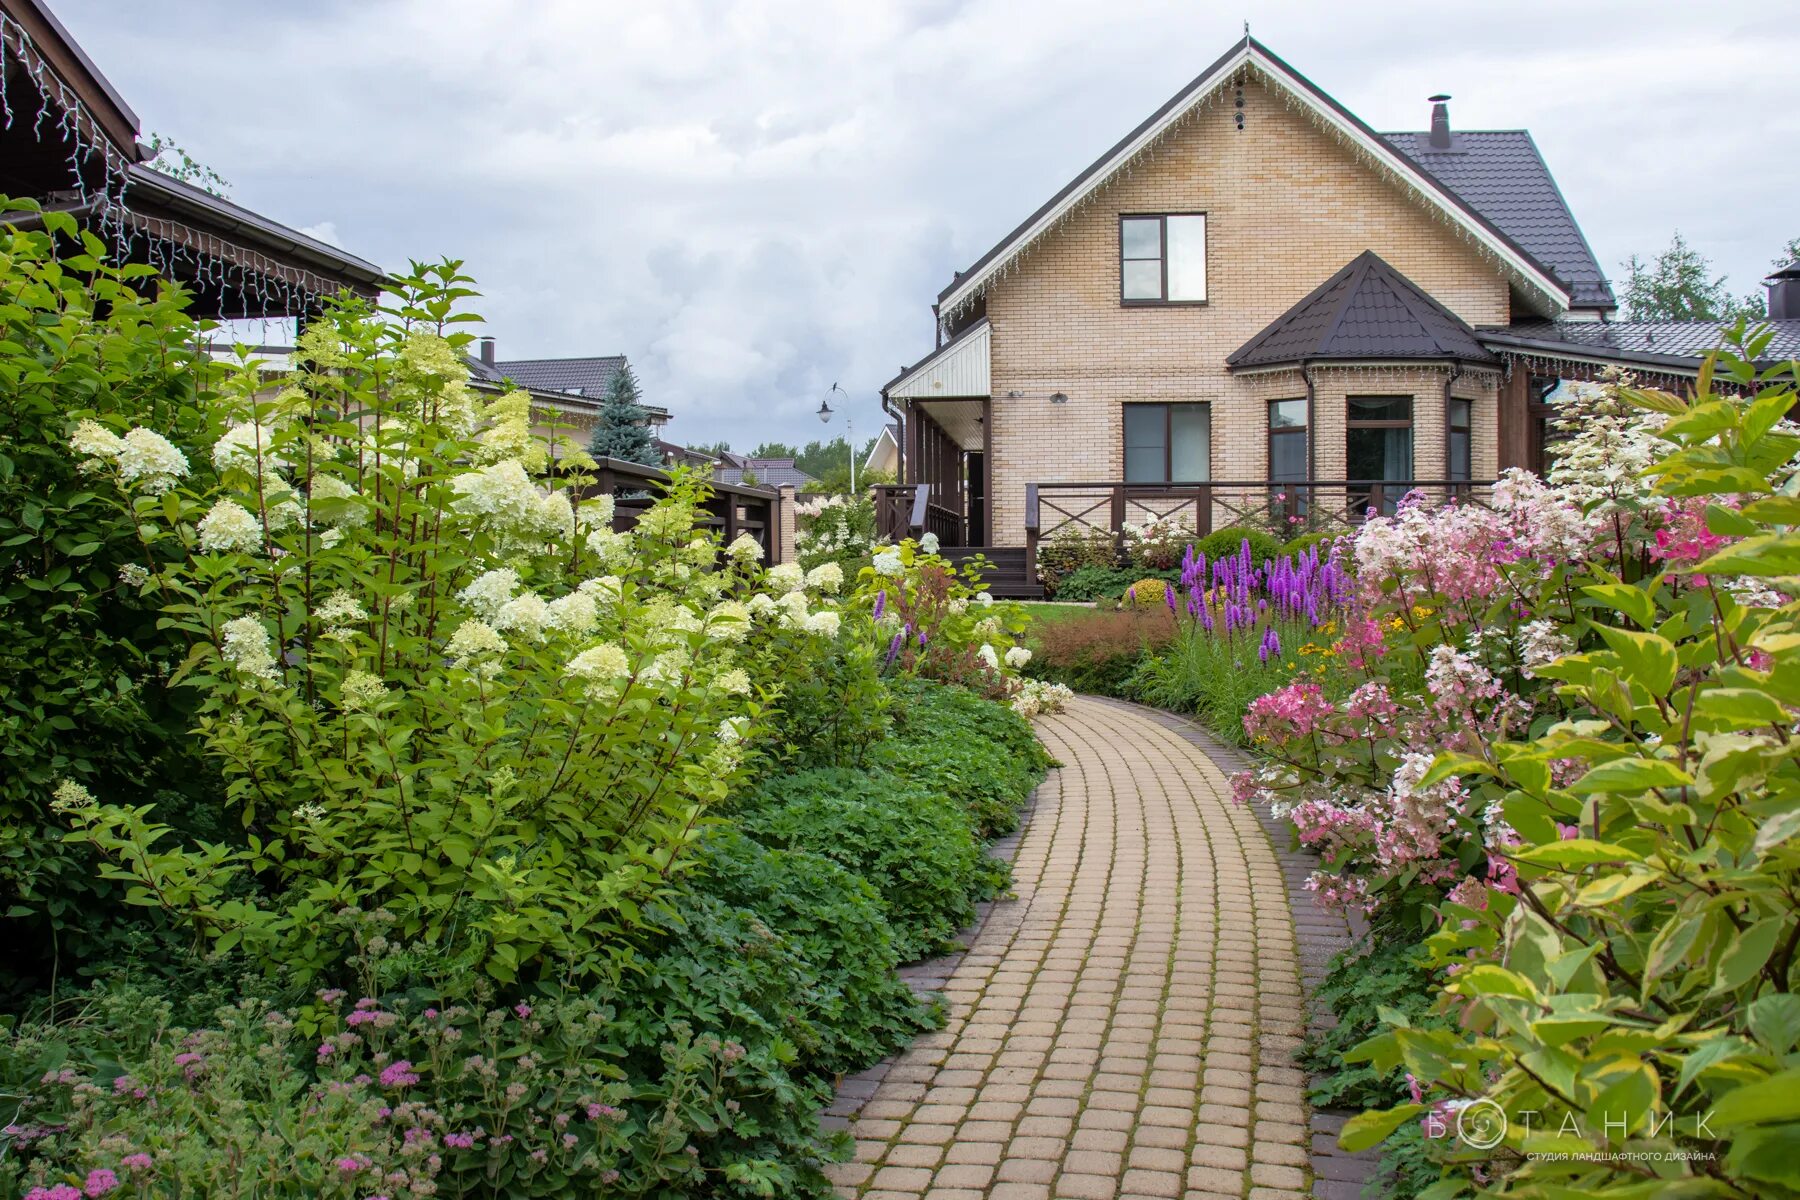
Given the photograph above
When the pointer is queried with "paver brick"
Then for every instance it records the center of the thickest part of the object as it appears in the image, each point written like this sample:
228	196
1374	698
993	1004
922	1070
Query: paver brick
1111	1036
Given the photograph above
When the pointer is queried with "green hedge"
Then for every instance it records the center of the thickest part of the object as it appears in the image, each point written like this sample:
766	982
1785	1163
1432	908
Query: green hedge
1222	543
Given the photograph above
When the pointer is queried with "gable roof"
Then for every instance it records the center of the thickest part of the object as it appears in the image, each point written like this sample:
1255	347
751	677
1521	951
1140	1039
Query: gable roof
590	377
1367	310
1525	271
1501	173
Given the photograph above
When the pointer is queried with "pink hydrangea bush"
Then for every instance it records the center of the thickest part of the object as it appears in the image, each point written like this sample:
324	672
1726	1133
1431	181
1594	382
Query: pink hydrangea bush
1453	606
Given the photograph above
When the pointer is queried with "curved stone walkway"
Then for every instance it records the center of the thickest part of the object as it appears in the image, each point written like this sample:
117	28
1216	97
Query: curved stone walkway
1125	1026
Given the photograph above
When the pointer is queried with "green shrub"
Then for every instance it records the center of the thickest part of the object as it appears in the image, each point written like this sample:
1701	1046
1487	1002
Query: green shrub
1212	677
1103	583
85	661
1068	551
857	1009
981	755
1322	539
1095	651
1221	543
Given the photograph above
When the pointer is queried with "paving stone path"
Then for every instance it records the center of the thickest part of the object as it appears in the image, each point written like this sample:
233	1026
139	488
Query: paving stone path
1124	1027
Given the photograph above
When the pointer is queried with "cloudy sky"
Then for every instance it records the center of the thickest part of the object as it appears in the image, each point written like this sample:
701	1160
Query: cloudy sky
756	199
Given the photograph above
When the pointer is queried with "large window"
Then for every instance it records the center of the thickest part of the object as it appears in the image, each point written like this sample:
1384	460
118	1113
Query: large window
1287	441
1162	259
1378	447
1459	420
1167	443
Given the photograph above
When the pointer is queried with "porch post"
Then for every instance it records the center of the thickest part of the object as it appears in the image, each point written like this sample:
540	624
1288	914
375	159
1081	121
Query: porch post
987	471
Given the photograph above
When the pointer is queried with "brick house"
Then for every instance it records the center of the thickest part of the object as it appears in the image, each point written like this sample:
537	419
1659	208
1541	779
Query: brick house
1255	308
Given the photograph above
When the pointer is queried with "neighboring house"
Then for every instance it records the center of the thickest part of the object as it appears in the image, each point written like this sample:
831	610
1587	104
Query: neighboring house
1255	307
70	142
884	455
682	456
575	387
766	472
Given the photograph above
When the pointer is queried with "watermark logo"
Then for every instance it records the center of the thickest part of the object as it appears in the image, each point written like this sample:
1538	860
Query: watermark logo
1482	1124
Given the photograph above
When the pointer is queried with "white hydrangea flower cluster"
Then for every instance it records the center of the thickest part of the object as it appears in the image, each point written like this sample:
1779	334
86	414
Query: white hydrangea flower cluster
335	503
245	645
489	591
474	646
744	550
1036	697
143	458
888	563
243	446
362	690
230	528
514	507
826	577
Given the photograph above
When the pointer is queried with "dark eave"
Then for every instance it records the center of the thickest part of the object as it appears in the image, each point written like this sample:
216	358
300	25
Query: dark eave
151	193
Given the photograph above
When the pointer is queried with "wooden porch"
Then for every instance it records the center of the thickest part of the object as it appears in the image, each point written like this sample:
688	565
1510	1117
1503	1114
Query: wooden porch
1105	509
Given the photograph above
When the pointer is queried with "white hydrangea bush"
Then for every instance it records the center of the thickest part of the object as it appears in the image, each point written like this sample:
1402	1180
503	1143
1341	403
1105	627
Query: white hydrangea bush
436	678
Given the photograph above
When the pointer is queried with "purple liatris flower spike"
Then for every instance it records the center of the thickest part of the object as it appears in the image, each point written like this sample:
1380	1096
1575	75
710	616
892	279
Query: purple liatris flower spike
1271	645
880	603
894	648
1169	596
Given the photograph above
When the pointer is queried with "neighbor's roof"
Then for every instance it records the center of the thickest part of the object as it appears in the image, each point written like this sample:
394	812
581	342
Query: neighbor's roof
1502	175
1366	311
1521	266
590	377
769	472
1679	345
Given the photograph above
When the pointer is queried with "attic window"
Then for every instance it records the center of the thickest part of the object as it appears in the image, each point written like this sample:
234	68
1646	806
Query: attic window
1162	259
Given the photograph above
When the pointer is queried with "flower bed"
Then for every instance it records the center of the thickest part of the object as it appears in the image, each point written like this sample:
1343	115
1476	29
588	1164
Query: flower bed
460	905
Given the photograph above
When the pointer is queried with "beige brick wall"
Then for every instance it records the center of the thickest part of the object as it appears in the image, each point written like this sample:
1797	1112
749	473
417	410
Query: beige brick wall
1287	206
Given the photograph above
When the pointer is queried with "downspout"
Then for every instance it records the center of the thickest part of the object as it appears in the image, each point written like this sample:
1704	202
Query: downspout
1312	427
1456	373
900	441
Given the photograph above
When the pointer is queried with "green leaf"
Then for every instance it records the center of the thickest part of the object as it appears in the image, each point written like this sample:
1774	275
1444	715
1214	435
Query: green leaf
1776	510
1368	1128
1634	602
1729	522
1610	889
1767	555
1770	1154
1776	830
1632	775
1747	954
1776	1098
1449	765
1742	708
1648	658
1576	852
1486	979
1775	1021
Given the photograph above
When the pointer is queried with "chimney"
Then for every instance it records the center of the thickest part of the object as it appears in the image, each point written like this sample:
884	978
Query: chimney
487	351
1784	293
1440	122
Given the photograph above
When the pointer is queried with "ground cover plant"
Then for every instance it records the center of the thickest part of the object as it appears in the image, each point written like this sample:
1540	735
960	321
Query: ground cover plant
456	905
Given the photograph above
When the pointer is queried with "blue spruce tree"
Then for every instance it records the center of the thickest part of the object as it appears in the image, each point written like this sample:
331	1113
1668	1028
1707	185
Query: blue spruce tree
623	431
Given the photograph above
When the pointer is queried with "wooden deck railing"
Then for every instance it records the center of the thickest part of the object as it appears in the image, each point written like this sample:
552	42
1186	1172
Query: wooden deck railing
732	509
1065	509
904	510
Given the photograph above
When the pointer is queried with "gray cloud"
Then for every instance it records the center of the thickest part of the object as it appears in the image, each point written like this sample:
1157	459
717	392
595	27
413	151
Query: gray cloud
755	199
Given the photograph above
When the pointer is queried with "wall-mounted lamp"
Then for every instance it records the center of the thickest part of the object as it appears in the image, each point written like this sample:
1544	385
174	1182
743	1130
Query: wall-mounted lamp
1015	394
1058	398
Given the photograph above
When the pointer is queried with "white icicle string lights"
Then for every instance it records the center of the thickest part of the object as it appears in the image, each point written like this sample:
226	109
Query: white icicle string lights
166	243
78	127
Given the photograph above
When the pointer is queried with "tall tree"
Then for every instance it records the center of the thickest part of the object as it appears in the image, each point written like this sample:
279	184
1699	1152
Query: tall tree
1680	286
623	431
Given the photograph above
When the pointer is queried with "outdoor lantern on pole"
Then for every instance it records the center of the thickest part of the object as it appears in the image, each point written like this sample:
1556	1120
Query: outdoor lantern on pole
825	412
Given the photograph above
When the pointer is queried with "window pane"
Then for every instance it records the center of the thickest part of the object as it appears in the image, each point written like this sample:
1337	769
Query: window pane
1287	456
1146	443
1380	408
1460	412
1142	279
1187	258
1459	454
1287	414
1140	237
1144	465
1190	438
1378	454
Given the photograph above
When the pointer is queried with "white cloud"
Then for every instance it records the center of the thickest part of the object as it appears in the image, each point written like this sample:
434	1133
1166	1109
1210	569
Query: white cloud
757	198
